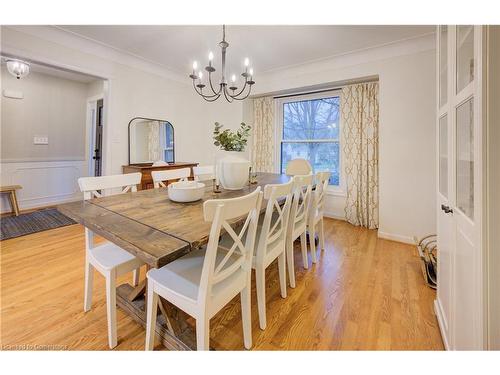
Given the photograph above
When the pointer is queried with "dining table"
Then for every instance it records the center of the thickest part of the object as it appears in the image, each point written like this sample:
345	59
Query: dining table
158	231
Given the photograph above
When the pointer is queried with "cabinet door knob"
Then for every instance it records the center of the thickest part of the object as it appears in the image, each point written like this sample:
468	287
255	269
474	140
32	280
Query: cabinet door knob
446	209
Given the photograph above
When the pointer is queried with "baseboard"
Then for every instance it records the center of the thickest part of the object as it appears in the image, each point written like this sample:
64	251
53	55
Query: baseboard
39	205
439	315
396	237
331	215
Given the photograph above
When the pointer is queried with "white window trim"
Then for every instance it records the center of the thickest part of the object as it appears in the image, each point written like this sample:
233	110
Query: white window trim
278	119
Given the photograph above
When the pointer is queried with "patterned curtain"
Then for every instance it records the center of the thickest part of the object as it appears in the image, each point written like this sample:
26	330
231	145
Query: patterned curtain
359	109
154	153
262	156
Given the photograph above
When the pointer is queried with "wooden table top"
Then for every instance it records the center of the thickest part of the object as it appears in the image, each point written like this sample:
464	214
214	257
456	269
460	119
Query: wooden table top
149	225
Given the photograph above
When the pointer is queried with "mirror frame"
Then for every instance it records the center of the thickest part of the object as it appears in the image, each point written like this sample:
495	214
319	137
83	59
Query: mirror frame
150	119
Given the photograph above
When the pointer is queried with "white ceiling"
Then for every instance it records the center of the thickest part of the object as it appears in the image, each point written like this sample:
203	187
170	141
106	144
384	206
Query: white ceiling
268	47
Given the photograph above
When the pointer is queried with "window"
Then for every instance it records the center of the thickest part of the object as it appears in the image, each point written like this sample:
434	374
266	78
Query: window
169	146
167	141
310	129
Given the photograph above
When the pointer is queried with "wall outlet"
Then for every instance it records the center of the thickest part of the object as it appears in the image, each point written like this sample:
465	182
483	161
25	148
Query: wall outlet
40	140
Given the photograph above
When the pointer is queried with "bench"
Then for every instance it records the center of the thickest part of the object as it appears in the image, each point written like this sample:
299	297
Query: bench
11	189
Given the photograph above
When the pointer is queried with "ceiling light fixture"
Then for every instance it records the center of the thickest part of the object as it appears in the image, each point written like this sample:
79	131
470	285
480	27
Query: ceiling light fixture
18	68
230	93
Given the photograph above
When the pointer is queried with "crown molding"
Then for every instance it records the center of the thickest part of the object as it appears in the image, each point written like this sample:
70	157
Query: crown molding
403	47
83	44
320	73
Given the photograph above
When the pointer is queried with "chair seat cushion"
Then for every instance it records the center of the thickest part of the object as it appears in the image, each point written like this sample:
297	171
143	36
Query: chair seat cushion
109	255
183	275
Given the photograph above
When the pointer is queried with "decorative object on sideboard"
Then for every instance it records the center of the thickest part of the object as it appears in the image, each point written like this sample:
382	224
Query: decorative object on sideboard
232	168
230	93
18	68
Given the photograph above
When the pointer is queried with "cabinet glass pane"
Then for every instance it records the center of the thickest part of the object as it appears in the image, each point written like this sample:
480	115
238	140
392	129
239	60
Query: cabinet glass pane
443	65
443	156
465	56
465	158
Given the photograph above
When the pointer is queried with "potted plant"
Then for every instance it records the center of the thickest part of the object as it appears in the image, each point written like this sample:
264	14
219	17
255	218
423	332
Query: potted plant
232	167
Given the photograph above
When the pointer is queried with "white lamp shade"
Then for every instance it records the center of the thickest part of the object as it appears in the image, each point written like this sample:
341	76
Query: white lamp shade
18	68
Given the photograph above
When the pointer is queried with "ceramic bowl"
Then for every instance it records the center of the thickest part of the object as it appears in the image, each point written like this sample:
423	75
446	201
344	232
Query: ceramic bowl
186	191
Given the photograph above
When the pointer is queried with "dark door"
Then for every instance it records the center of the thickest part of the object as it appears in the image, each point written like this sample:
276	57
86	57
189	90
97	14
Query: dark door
98	138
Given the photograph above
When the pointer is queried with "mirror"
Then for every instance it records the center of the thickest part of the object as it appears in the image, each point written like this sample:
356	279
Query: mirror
150	141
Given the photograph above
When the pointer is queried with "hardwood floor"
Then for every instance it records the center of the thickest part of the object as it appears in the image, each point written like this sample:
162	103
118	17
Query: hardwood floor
364	293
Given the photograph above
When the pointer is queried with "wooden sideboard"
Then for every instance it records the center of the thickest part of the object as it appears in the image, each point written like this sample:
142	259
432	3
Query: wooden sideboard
146	169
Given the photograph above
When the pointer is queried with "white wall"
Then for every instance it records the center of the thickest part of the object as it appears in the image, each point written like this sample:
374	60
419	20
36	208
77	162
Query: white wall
406	72
134	88
53	107
95	88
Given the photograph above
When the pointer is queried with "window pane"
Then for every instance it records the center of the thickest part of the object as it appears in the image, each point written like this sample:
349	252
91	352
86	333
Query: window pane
311	119
443	155
443	65
323	156
465	56
465	158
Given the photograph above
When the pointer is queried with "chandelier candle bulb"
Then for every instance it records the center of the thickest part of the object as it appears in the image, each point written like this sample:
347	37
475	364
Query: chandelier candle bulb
247	61
193	75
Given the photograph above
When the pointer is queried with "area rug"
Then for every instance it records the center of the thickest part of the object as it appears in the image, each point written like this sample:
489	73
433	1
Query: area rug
33	222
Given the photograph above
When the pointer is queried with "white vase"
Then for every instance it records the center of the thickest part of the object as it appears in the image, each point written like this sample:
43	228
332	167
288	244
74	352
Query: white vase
232	170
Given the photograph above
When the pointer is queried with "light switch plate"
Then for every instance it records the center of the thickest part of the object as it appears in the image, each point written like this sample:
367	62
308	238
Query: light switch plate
13	94
40	140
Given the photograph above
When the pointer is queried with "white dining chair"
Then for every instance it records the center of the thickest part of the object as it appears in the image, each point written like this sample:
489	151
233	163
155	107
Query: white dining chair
271	242
298	167
107	258
170	174
297	223
202	282
316	213
204	173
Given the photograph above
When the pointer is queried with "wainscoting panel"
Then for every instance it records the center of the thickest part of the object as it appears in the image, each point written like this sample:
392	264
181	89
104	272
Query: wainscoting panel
44	183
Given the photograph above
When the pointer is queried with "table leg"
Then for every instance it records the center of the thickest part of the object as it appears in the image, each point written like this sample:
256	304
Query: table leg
164	308
171	326
138	291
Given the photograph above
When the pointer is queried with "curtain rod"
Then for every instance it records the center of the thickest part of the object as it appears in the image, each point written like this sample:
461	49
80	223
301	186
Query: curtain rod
319	91
307	93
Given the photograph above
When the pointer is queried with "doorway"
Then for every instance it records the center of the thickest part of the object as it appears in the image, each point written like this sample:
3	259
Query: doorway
98	138
95	118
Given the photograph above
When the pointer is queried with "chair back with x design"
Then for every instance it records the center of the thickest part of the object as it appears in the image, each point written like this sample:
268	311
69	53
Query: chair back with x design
234	264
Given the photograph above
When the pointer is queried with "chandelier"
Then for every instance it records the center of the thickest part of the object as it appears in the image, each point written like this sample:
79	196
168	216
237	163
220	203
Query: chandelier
231	92
18	68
